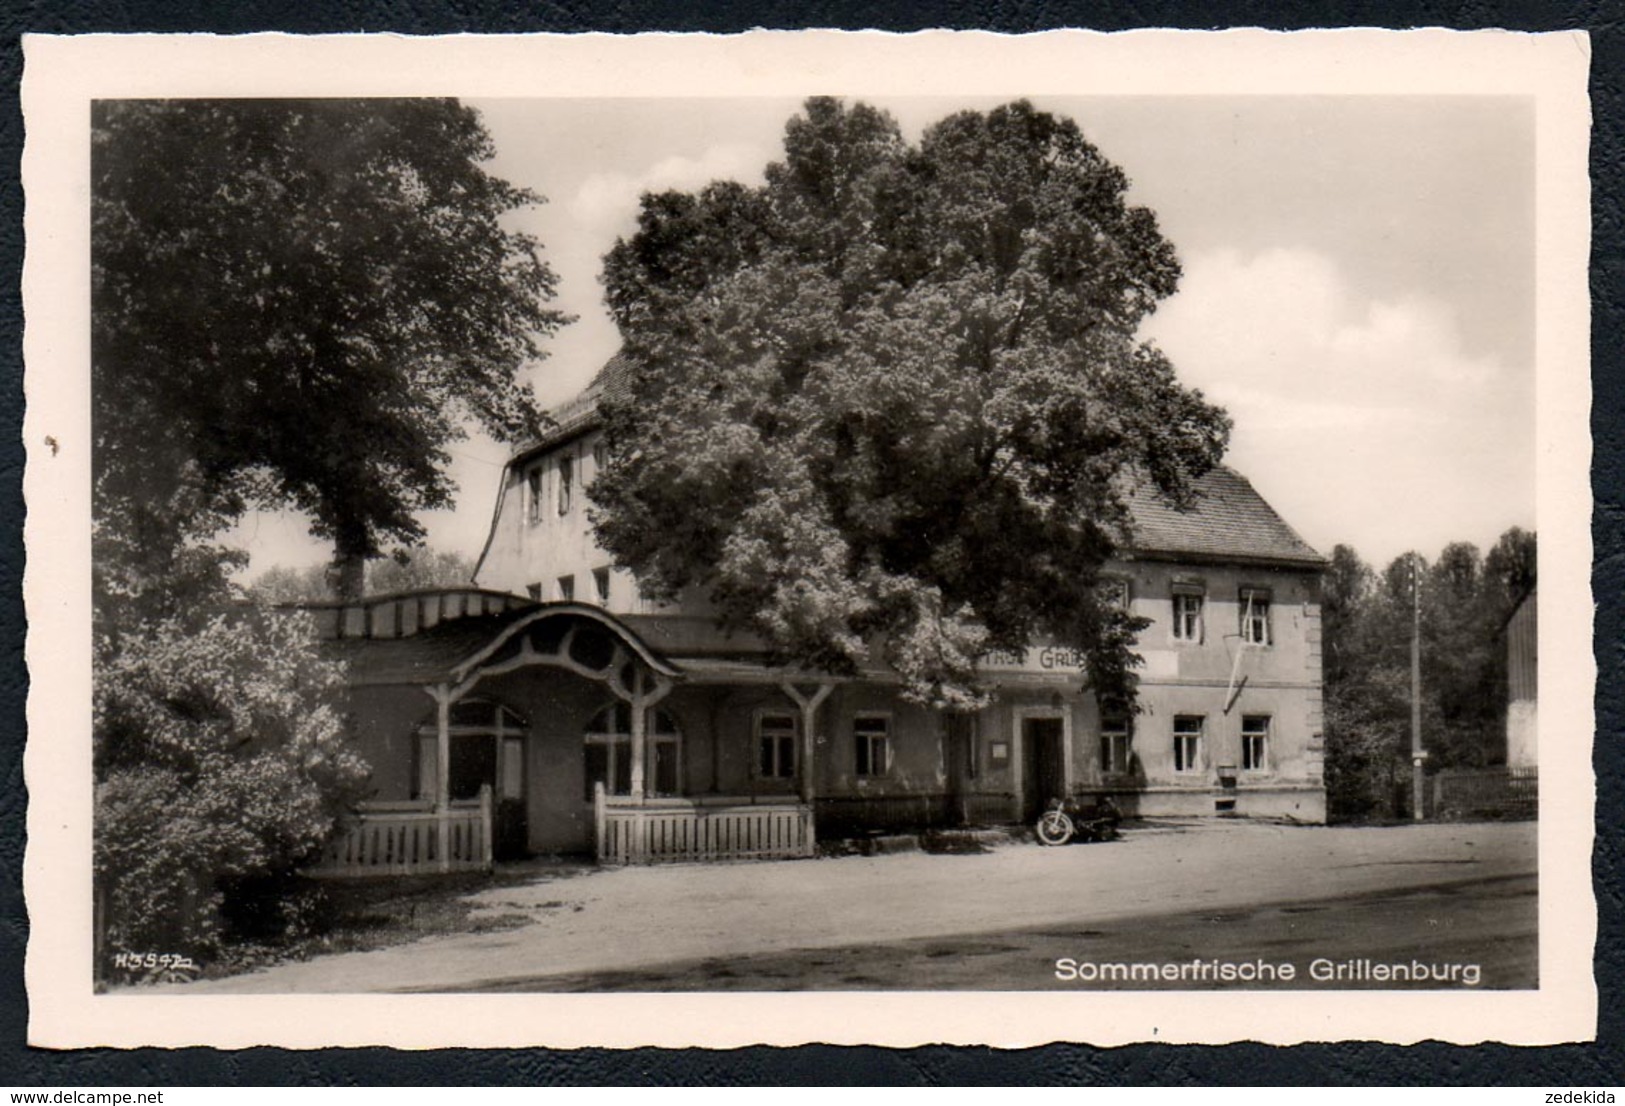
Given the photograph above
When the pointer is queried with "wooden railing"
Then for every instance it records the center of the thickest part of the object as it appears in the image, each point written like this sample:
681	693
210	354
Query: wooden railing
404	839
1501	790
708	828
861	815
988	808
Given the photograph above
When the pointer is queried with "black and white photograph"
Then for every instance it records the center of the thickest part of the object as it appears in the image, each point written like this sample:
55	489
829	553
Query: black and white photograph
1061	524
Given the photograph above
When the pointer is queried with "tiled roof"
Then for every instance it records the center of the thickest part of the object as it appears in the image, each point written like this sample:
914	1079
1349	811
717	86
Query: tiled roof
1228	521
580	413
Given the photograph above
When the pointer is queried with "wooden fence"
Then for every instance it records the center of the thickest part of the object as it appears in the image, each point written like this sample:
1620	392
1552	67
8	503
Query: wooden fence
1502	791
404	839
657	830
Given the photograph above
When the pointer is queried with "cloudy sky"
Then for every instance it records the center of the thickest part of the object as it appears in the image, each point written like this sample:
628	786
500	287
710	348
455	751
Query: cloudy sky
1358	289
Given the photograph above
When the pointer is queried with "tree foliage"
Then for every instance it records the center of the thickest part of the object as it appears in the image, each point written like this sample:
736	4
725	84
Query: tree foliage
404	570
1463	600
302	301
220	758
895	396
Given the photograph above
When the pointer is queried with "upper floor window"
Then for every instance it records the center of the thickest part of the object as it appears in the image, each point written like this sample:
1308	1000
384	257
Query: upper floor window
1188	742
600	585
600	456
1188	615
1114	592
534	591
567	470
533	494
1255	616
776	744
566	588
1255	742
873	747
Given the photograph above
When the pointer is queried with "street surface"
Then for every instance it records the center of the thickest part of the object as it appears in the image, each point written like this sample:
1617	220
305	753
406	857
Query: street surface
1233	891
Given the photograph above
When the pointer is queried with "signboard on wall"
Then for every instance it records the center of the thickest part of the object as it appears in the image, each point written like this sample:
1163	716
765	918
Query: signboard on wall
1039	660
1058	660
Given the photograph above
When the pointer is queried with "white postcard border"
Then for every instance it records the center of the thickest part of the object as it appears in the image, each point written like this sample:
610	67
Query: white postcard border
63	75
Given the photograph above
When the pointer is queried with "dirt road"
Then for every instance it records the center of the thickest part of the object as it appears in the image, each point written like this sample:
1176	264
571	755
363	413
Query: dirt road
1486	927
636	920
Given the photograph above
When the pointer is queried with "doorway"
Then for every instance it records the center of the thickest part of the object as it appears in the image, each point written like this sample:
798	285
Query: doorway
1043	768
487	747
960	750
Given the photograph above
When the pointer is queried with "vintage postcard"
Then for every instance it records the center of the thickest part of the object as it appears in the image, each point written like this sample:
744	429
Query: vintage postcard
795	537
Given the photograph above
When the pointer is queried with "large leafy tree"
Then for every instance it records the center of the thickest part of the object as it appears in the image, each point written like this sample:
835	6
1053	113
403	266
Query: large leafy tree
294	304
894	396
299	303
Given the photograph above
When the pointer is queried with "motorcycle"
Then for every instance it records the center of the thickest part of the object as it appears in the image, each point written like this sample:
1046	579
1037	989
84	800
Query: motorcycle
1085	818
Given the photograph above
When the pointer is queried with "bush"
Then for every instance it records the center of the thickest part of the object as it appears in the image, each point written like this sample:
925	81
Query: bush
221	765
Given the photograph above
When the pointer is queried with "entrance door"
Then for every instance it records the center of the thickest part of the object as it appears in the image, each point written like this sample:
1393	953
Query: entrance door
487	750
959	749
494	760
1043	772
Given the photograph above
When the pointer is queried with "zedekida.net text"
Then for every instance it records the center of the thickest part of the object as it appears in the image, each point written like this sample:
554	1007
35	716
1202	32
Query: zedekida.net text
1320	971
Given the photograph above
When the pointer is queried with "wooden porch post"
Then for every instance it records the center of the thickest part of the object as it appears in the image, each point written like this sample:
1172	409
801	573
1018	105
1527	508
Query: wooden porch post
442	777
809	710
639	708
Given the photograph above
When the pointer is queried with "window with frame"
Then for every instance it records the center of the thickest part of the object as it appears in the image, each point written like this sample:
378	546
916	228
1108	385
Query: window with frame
608	752
1188	615
1188	742
533	493
534	591
1255	616
871	736
565	588
567	471
600	456
600	585
1255	743
1114	593
776	733
487	743
1115	738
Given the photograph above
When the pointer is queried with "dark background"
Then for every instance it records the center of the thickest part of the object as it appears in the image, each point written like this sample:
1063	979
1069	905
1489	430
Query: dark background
1595	1065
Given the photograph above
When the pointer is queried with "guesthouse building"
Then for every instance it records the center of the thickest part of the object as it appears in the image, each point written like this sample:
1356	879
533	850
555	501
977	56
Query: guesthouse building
552	708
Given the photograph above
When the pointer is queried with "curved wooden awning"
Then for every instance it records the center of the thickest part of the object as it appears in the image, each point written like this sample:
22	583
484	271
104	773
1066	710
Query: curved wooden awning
577	638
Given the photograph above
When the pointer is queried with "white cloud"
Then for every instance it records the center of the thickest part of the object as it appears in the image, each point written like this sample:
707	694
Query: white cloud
1364	420
609	201
1289	318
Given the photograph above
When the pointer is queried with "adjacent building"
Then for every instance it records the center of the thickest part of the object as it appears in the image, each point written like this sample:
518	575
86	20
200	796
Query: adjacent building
1523	699
574	715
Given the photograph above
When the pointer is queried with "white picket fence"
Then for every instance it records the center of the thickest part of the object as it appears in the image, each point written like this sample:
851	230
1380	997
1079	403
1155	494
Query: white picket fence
720	828
403	839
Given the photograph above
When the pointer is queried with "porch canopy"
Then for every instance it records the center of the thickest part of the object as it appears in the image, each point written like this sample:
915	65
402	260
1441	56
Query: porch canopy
446	643
450	651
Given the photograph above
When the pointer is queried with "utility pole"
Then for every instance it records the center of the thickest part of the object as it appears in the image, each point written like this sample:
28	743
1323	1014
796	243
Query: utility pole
1418	755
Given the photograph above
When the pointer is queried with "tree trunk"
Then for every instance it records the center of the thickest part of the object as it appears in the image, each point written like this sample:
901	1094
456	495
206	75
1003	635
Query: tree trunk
347	575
